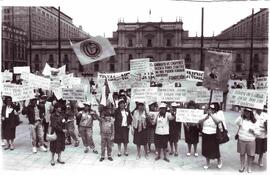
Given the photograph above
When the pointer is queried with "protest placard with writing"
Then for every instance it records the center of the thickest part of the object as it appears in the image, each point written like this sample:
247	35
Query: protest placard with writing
170	71
140	69
18	92
194	75
203	95
247	97
73	94
172	94
21	69
6	76
146	94
36	81
261	82
189	115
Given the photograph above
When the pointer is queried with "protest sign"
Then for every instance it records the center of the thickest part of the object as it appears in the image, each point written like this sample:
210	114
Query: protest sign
18	92
172	94
170	71
261	83
6	76
145	94
194	75
203	95
140	69
73	94
116	81
247	97
217	70
58	92
189	115
21	69
36	81
49	71
66	80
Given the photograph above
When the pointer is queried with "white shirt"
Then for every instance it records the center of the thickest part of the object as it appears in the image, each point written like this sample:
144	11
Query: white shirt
124	118
210	127
9	109
162	126
260	124
245	126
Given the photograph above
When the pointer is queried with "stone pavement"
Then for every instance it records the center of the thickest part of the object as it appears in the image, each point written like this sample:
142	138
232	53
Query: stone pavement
22	158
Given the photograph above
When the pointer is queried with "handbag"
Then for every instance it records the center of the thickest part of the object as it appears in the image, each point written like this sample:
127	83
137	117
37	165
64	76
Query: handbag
51	137
222	134
236	137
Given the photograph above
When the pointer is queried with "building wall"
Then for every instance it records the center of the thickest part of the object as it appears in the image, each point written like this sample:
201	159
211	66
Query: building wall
16	47
44	23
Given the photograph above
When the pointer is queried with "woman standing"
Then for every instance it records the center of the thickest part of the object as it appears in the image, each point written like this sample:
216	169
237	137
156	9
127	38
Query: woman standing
246	138
58	127
261	140
122	122
10	120
140	129
152	115
174	129
162	131
191	133
210	145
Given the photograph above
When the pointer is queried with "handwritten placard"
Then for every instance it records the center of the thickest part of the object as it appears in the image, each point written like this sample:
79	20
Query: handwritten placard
172	94
73	94
194	75
189	115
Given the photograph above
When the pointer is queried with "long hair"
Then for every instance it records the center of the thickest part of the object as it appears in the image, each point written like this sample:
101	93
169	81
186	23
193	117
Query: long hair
216	107
252	117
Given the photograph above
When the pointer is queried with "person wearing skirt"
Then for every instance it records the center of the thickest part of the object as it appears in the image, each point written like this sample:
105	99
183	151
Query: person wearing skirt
58	126
210	145
162	131
10	120
152	115
140	129
174	130
261	140
191	132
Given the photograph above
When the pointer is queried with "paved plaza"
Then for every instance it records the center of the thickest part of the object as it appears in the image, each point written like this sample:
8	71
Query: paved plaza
22	158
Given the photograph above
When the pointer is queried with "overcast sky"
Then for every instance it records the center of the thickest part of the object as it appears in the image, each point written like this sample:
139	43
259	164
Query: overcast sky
99	17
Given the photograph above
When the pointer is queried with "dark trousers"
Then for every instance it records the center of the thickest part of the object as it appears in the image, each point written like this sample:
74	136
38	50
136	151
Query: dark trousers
46	128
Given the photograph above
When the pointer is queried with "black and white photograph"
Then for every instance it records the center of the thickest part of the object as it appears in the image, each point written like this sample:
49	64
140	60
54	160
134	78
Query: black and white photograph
135	86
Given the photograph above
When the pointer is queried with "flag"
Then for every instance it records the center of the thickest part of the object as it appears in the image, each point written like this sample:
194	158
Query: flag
217	70
93	49
47	71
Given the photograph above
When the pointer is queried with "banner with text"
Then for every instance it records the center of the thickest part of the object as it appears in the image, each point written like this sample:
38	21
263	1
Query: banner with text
189	115
73	94
172	94
21	69
194	75
146	94
36	81
18	92
247	97
170	71
261	82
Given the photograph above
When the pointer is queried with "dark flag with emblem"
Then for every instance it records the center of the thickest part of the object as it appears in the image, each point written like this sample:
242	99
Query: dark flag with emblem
93	49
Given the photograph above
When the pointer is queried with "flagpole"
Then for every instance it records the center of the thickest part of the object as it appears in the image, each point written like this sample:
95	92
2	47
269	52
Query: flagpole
202	58
59	38
13	40
30	40
210	100
250	75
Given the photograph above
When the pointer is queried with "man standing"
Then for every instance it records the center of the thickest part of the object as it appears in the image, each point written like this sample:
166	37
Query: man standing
35	124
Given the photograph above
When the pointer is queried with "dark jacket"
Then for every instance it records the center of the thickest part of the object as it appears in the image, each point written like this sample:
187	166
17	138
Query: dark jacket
29	111
118	118
13	119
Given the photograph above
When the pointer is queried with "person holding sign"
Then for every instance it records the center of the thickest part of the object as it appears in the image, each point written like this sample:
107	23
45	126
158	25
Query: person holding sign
174	129
246	138
122	122
210	145
162	131
34	115
261	140
10	120
191	132
85	119
139	129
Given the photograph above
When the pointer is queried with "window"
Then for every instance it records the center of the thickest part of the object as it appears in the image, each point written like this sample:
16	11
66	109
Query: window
188	59
36	58
112	59
37	67
149	43
112	67
6	48
169	56
256	58
256	67
130	44
66	62
96	67
238	67
51	61
169	42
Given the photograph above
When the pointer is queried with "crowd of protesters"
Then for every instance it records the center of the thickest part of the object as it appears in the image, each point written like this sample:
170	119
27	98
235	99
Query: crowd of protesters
152	123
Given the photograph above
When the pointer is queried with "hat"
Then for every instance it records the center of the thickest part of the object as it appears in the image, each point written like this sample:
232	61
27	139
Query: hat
80	104
248	109
121	100
139	102
43	97
162	105
174	104
212	106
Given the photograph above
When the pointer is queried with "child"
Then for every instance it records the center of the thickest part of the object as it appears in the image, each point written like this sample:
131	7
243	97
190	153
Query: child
107	133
